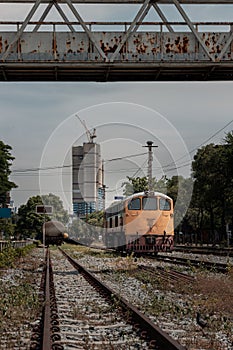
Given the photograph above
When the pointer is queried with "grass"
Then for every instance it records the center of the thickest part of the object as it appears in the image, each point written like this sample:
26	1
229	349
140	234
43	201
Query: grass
19	296
82	251
9	256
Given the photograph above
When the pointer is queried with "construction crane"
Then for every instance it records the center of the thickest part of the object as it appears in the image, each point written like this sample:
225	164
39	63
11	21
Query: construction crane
90	134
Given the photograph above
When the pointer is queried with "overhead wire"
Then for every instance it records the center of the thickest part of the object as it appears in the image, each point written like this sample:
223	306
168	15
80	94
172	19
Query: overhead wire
70	165
173	164
197	147
185	164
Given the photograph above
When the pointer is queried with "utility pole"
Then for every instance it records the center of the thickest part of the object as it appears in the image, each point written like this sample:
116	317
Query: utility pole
150	161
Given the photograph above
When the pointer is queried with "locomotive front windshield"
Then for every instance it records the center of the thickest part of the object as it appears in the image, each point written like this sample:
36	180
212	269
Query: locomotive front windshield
135	204
149	203
164	204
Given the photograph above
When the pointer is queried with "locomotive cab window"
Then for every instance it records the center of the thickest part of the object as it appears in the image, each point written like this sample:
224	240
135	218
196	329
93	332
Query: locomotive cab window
149	203
134	204
164	204
110	222
116	221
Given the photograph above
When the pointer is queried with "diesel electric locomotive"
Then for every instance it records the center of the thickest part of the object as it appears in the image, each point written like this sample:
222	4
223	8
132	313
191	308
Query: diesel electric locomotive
141	223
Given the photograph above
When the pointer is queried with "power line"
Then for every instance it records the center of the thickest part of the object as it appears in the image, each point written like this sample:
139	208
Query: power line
17	172
70	165
130	156
196	147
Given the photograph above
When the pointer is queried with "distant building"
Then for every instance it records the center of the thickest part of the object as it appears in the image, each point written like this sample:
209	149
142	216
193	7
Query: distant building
88	179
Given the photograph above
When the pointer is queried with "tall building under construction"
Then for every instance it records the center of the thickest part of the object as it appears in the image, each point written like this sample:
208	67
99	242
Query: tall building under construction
88	179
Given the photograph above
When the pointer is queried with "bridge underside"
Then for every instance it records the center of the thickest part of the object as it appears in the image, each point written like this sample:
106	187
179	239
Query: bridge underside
103	72
144	56
74	49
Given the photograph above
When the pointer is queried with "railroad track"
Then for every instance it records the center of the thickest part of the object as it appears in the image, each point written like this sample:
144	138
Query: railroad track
204	250
81	312
166	274
211	266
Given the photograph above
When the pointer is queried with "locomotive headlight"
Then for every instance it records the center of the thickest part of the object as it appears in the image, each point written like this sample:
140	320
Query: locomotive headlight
65	235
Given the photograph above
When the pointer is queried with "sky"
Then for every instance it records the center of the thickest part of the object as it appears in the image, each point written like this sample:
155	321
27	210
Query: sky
38	120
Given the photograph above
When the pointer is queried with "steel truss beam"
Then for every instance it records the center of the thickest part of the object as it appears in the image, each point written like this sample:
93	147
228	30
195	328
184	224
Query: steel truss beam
114	2
123	46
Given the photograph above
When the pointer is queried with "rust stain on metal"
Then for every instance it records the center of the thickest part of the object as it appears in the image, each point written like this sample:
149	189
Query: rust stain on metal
211	40
214	40
54	44
19	47
107	48
68	46
155	50
141	48
6	44
180	45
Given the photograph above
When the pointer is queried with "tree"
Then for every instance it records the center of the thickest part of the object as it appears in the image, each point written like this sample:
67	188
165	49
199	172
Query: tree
30	223
59	213
96	218
88	230
212	171
140	184
180	190
134	185
7	228
228	150
5	162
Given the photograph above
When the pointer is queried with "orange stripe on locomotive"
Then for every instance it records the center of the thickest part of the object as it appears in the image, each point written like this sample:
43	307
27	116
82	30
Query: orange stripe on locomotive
141	223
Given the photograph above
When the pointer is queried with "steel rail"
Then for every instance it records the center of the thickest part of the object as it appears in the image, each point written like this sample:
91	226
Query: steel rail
51	330
47	317
158	338
205	250
216	267
167	274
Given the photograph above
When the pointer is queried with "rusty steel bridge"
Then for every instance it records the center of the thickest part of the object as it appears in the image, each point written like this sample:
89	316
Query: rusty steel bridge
72	48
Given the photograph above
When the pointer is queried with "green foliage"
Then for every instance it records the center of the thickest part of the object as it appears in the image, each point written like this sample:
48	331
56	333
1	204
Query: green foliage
9	255
213	186
140	184
59	213
5	163
180	190
30	223
88	229
135	185
7	228
19	303
95	218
